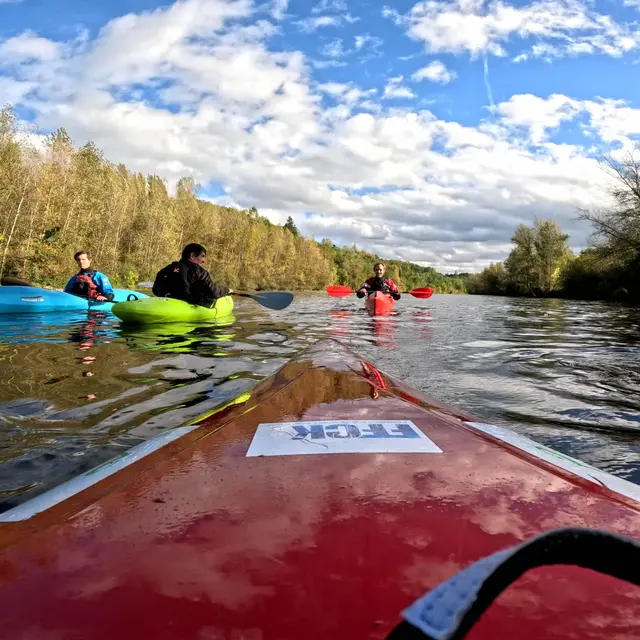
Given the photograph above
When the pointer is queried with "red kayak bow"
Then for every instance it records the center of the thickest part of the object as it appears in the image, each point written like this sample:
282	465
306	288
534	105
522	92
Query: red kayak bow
331	500
379	304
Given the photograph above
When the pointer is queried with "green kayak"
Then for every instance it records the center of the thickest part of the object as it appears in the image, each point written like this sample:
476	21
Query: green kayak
163	310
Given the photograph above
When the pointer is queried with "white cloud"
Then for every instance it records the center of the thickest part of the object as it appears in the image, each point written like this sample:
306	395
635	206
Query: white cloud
396	90
536	114
349	19
311	24
349	94
330	5
279	9
360	41
434	72
334	49
136	47
28	47
396	179
14	91
482	27
340	17
366	40
328	64
308	25
613	120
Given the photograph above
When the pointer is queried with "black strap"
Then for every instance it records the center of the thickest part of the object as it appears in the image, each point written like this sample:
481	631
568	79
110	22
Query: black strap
451	609
132	296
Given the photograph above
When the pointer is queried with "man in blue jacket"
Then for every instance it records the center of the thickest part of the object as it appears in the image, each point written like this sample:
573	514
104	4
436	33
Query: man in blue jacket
89	283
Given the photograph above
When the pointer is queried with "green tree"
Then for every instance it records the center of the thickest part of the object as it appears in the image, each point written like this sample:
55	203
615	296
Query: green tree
521	263
535	263
291	225
492	280
551	253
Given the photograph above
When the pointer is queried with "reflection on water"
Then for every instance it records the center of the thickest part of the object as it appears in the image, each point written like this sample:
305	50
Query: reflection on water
78	389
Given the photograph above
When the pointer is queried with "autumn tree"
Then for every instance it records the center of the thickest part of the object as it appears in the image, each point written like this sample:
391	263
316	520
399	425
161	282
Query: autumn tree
59	199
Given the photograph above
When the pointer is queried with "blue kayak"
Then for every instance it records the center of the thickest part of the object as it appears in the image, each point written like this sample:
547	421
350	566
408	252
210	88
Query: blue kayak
37	300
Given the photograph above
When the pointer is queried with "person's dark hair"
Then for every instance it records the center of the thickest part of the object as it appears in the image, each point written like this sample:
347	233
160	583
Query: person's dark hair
81	253
379	264
194	248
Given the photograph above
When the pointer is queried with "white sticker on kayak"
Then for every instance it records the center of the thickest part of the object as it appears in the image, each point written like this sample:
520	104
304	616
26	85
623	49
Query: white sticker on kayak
336	436
582	469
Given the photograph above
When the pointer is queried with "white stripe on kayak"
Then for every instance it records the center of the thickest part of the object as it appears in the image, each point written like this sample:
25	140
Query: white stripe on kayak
93	476
582	469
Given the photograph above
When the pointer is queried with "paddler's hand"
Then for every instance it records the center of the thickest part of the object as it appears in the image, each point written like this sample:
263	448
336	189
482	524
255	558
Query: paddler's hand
101	298
360	292
231	291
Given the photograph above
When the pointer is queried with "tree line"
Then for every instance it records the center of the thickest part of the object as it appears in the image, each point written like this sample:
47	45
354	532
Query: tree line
542	264
59	199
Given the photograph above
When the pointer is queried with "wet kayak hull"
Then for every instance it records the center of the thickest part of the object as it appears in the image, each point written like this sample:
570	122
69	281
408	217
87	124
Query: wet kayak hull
168	310
379	304
319	505
19	299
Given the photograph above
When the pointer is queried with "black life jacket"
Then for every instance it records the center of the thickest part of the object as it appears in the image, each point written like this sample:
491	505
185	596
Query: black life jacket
379	284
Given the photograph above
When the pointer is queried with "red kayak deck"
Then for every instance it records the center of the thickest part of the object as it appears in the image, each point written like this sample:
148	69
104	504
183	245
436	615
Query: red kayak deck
259	525
379	303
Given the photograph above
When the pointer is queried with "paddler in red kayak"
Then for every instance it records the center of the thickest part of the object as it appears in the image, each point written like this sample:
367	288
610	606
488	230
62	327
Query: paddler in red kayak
88	282
188	280
379	283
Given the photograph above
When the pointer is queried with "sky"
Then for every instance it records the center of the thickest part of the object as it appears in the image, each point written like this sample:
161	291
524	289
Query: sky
421	131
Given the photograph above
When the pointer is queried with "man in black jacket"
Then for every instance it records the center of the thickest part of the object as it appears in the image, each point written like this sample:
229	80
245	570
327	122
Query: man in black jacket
187	280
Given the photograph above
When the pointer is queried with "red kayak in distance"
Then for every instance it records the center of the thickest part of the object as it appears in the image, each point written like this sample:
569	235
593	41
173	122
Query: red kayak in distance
327	502
379	304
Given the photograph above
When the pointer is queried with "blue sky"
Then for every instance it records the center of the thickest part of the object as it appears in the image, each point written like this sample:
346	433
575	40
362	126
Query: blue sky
423	131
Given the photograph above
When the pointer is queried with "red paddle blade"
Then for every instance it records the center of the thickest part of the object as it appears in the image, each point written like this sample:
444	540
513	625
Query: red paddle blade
422	293
339	291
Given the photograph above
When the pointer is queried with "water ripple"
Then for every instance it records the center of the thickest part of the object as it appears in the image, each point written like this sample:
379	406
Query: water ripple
77	391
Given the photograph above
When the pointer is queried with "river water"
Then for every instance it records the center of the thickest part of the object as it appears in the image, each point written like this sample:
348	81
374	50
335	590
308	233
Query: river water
77	391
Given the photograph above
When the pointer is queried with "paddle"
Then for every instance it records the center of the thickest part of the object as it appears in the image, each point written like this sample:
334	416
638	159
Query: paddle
276	300
340	291
9	281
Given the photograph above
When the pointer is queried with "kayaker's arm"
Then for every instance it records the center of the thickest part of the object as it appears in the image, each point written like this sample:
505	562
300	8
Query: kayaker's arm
395	293
209	288
363	290
104	286
69	286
